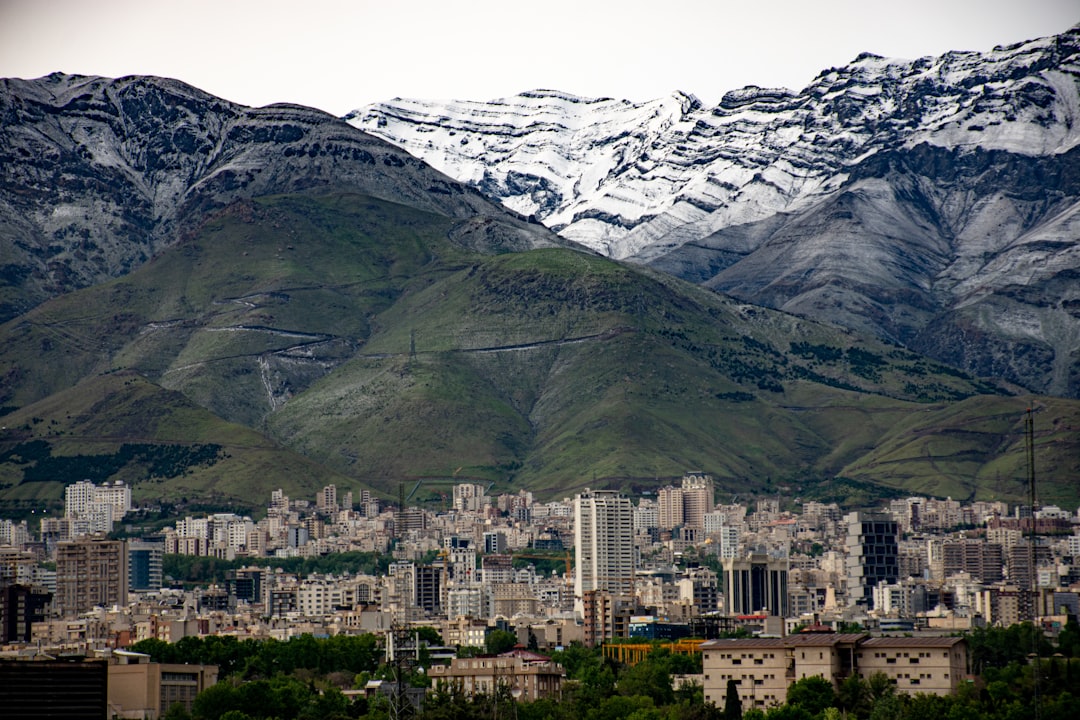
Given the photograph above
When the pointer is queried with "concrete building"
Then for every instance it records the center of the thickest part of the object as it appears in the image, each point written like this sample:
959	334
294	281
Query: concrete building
763	668
669	501
603	543
90	572
698	499
144	565
20	607
527	676
140	689
981	560
916	665
872	548
73	689
755	584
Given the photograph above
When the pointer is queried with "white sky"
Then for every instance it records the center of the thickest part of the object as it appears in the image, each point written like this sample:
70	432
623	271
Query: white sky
338	55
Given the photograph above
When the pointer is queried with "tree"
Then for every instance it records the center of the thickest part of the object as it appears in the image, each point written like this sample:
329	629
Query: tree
429	635
533	645
499	641
787	712
854	696
732	703
648	678
813	694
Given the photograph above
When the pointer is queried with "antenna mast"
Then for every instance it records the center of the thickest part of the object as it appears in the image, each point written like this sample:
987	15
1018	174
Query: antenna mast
1033	589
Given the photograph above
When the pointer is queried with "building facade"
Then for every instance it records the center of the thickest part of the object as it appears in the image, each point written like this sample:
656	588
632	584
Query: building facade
603	543
755	584
90	572
872	546
763	668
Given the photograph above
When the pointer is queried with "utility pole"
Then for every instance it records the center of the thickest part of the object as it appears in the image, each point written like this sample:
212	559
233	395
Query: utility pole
1033	589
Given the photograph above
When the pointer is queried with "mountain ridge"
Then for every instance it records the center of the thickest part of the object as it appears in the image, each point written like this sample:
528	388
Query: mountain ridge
101	174
973	155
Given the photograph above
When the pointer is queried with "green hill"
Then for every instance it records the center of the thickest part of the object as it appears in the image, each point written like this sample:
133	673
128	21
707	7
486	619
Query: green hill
376	342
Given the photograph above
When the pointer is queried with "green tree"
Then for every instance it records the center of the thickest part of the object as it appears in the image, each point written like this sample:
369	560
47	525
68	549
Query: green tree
853	696
429	635
787	712
813	694
732	703
648	678
1069	638
499	641
176	711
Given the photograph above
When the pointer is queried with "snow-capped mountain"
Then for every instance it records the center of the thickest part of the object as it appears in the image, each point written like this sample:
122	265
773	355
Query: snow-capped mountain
98	174
932	201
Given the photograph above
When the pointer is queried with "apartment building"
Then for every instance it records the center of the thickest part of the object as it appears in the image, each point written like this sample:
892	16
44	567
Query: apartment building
527	676
90	572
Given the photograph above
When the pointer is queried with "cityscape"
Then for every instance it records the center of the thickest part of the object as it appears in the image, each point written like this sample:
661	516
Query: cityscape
750	587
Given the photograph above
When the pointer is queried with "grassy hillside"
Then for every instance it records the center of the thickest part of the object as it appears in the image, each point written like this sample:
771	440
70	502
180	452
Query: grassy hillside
363	337
119	426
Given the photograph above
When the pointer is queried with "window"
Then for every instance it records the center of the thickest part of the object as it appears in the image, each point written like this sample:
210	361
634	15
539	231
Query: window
890	661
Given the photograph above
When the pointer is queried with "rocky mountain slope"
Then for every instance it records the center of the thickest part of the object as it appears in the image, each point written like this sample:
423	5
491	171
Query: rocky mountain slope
97	175
933	202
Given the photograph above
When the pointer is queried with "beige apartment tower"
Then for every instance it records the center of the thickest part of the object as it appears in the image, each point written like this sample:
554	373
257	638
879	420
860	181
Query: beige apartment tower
603	543
90	572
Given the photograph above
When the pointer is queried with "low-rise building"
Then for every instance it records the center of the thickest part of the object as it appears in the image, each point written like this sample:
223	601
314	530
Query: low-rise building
763	668
140	689
526	676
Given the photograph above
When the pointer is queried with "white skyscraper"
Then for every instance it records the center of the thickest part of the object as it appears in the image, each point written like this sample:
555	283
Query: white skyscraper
603	543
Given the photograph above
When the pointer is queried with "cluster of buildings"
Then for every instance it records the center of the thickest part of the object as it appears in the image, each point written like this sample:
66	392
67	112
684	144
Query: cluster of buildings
590	568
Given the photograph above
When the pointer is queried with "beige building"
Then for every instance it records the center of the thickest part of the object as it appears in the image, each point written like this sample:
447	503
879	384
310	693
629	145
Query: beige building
916	665
90	572
146	690
525	675
763	668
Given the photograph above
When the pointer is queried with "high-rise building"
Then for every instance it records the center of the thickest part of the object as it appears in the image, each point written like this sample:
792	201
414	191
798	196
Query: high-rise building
982	560
90	572
327	500
84	497
603	543
756	584
687	504
469	497
872	549
670	502
20	607
144	565
495	542
698	499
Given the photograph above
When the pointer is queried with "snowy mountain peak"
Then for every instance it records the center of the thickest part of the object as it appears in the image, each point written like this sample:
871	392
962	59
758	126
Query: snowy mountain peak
906	197
622	176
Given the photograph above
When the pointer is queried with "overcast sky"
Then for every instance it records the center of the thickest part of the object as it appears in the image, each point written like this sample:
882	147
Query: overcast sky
338	55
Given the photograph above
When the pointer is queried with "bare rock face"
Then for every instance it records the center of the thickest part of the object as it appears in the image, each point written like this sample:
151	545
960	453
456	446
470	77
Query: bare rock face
100	174
918	200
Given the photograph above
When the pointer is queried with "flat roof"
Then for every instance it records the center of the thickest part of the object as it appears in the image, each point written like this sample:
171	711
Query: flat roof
808	640
913	642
